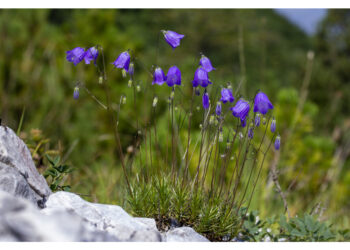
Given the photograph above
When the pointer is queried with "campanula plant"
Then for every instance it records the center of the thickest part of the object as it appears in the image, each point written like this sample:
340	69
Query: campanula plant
204	179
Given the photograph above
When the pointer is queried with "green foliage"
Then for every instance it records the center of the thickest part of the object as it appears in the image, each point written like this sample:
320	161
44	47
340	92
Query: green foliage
56	173
176	205
305	228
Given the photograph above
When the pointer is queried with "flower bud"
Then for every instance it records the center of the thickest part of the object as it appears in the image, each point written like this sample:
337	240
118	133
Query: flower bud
138	88
76	93
124	100
124	73
155	101
278	142
130	83
264	120
257	120
100	80
273	125
172	94
131	69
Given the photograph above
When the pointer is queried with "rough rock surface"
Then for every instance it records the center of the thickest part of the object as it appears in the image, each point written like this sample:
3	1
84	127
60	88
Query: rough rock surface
18	174
20	220
110	218
184	234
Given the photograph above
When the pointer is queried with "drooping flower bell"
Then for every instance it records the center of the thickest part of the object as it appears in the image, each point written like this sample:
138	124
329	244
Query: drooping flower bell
91	55
262	103
241	110
273	125
76	93
257	120
75	55
218	109
201	78
158	76
206	64
123	61
278	142
205	100
172	38
174	76
226	96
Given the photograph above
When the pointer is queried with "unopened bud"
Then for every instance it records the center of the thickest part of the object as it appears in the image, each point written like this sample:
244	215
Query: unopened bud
76	93
155	101
129	83
138	88
131	69
100	80
124	100
124	73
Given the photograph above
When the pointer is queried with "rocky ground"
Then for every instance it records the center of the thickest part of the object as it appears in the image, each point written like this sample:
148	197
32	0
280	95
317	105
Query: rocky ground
29	211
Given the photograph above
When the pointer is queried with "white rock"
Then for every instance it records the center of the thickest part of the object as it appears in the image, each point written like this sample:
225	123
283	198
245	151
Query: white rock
110	218
18	174
20	220
184	234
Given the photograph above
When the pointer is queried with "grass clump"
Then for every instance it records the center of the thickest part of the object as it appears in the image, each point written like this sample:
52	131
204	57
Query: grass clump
174	205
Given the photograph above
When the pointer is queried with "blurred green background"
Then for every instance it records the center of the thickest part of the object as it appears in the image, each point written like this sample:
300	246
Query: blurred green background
306	77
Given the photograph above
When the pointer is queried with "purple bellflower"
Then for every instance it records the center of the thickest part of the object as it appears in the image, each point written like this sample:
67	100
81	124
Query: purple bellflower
226	96
273	125
123	61
218	109
278	142
158	76
205	100
206	64
201	78
76	93
172	38
241	110
174	76
91	55
75	55
262	103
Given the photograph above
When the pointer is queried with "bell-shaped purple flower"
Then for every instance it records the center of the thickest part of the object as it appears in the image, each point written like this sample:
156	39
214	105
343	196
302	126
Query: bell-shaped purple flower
174	76
206	64
123	61
250	133
226	96
218	109
158	76
172	38
273	125
278	142
257	120
75	55
91	55
76	93
262	103
241	110
205	100
201	78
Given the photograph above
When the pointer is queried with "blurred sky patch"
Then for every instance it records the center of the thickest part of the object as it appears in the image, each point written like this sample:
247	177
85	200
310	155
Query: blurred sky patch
306	19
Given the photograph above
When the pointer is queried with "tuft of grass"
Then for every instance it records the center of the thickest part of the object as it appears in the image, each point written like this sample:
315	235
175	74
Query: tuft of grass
176	205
